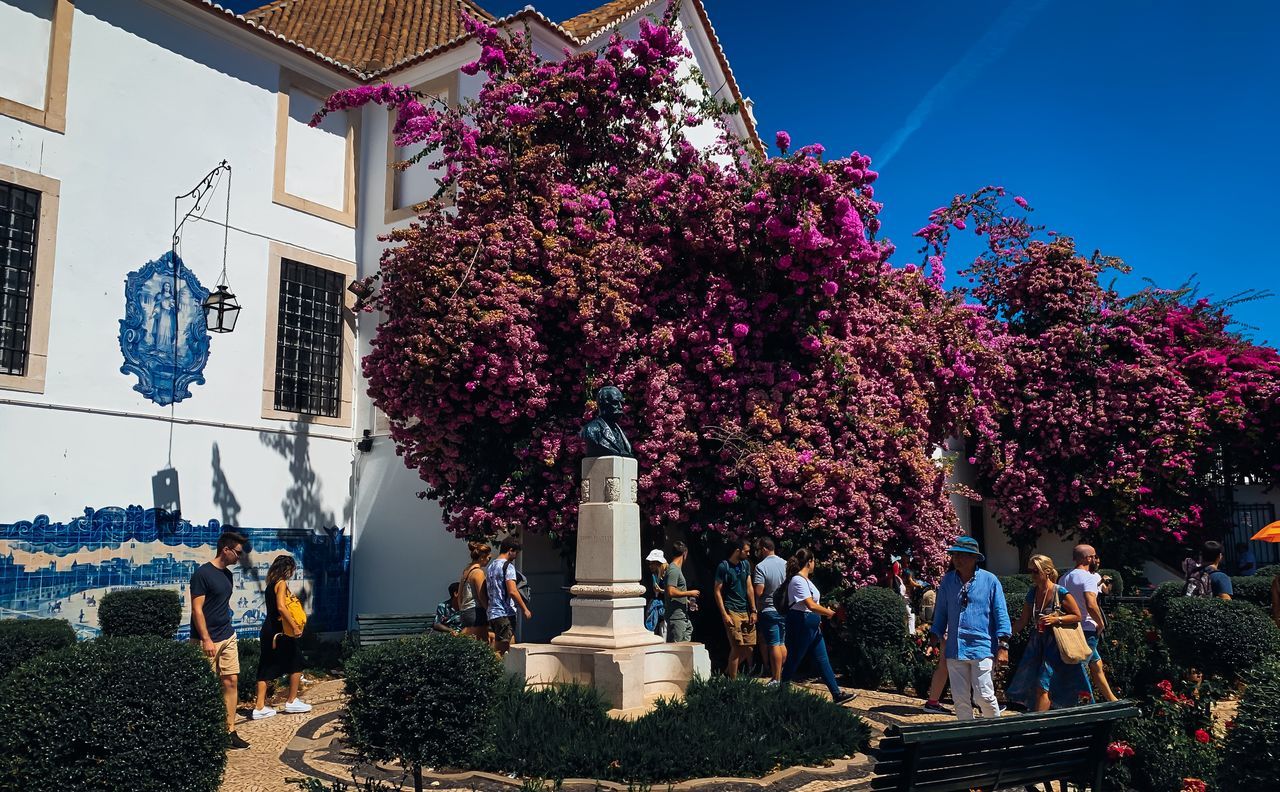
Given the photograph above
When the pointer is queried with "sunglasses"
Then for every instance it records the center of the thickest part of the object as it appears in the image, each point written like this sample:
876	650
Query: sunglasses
964	595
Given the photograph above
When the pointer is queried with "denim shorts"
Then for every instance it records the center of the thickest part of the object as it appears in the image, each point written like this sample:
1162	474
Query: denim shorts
1092	639
773	628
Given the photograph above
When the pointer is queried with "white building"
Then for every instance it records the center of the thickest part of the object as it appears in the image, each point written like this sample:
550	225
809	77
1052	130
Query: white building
109	109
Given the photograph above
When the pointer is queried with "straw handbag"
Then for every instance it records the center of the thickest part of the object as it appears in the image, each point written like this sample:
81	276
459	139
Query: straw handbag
1072	646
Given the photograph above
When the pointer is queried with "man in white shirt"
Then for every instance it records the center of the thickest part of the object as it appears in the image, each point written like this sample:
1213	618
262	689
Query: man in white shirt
1082	582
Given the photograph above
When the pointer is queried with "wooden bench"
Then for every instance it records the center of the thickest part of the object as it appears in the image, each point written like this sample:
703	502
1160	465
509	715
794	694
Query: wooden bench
997	753
376	628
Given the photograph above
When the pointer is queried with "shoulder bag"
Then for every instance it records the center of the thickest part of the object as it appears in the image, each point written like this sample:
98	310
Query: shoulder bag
1072	646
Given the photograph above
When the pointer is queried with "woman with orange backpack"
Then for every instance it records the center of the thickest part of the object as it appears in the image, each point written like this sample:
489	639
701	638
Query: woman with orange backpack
281	654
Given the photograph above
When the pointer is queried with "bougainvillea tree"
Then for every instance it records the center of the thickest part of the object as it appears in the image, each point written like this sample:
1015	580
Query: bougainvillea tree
782	376
1109	414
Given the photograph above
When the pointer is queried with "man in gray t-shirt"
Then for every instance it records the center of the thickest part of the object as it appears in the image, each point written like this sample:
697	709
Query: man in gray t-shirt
769	574
678	597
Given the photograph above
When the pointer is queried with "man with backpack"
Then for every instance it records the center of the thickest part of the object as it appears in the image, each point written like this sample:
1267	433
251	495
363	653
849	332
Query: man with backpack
770	575
1205	580
507	590
736	599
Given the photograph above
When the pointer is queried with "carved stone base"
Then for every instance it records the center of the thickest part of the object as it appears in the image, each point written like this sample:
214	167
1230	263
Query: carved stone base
607	624
630	678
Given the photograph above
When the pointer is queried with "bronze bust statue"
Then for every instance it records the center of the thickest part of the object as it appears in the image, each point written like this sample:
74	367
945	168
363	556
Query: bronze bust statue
603	434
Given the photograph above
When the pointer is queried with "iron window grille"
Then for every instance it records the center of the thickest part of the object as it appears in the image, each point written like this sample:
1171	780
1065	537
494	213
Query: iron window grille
19	220
309	340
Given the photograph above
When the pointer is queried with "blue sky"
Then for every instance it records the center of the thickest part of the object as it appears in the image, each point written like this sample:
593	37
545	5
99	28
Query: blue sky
1145	129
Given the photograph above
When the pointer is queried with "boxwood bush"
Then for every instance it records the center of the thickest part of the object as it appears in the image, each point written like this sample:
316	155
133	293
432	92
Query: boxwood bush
249	650
1251	757
23	639
1224	637
870	643
1165	594
142	714
721	727
1016	584
151	611
422	701
1267	572
1251	588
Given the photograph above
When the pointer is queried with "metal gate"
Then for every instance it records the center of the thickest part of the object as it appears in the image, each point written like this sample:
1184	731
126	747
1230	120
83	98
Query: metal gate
1246	520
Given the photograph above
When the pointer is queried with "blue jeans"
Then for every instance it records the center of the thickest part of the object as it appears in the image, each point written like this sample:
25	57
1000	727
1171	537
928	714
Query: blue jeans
804	638
772	628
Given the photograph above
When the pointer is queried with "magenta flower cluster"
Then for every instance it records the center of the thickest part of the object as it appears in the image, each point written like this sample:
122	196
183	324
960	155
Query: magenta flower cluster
1104	416
783	378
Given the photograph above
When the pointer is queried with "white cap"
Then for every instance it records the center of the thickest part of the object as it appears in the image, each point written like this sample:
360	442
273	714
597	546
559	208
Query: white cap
656	555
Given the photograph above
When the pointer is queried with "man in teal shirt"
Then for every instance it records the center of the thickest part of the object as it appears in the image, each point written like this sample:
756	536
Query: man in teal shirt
970	612
736	599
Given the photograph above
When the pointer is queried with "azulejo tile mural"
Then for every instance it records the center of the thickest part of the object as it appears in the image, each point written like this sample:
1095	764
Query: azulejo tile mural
163	336
62	569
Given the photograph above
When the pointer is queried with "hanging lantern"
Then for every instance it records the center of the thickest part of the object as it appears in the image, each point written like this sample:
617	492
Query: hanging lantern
221	310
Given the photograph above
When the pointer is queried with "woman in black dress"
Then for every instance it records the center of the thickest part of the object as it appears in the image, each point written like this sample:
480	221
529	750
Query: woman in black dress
280	653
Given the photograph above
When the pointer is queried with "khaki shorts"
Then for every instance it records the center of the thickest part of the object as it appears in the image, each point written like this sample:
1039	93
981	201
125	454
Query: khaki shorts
742	633
226	657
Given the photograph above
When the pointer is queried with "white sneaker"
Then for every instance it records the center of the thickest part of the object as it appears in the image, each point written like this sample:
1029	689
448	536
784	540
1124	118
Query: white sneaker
265	712
296	706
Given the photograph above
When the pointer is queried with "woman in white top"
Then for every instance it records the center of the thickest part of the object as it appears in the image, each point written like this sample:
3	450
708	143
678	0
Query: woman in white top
804	623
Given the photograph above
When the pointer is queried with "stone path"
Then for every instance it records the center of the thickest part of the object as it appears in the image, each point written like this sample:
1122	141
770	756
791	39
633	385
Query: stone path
294	746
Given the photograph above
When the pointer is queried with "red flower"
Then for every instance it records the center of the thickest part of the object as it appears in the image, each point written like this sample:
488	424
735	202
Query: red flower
1193	785
1119	750
1164	686
1086	697
1202	736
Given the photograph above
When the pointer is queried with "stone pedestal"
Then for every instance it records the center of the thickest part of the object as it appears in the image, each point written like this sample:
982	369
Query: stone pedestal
607	645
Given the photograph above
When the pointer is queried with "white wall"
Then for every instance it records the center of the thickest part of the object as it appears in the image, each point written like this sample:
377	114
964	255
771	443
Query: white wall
27	25
158	94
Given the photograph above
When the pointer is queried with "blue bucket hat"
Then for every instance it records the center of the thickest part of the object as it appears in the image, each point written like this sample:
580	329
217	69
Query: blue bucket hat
966	544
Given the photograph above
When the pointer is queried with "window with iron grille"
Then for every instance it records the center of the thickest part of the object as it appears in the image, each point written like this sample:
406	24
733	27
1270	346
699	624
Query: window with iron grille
19	219
309	340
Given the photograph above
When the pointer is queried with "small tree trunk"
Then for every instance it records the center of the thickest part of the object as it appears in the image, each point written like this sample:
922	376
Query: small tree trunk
417	778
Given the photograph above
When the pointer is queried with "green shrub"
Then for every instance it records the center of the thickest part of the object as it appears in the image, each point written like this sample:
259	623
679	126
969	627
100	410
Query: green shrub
1165	748
1251	588
1164	594
721	727
23	639
1267	572
422	701
1251	758
1219	636
1117	581
870	643
1133	652
151	611
1016	584
250	652
138	714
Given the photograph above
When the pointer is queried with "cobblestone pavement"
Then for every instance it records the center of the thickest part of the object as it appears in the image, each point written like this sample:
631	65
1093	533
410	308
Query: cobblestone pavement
293	746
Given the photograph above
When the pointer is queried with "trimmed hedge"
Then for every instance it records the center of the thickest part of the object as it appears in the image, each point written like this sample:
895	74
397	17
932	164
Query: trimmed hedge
870	643
1225	637
150	611
1251	757
142	714
249	650
1016	584
1165	594
1251	588
23	639
722	727
422	701
1267	572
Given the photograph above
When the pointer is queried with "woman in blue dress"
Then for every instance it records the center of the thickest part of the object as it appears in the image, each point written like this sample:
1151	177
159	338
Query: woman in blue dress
1043	680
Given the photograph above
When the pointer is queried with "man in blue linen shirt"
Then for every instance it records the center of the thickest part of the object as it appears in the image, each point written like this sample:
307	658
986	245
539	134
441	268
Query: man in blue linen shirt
970	612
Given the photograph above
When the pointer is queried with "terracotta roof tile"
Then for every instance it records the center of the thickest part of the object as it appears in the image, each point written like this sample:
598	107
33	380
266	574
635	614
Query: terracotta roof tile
585	26
368	35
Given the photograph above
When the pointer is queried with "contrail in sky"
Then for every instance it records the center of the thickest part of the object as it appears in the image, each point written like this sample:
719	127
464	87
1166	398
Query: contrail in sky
983	53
